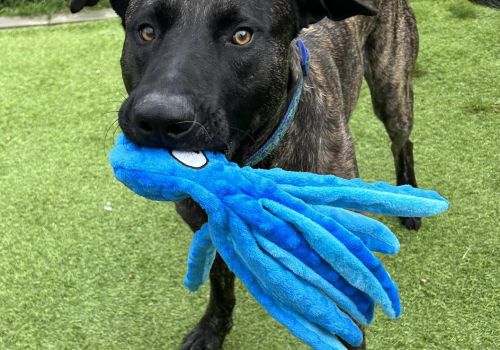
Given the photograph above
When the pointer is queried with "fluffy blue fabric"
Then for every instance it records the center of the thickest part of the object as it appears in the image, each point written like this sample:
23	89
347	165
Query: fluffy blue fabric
288	236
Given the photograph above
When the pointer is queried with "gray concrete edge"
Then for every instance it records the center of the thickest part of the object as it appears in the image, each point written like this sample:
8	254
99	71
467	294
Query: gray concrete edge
86	16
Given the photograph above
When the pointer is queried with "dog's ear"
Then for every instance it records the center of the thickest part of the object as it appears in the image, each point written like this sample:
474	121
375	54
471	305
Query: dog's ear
312	11
120	6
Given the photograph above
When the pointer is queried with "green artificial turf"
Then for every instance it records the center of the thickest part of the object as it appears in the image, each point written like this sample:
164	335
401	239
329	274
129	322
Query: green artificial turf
84	264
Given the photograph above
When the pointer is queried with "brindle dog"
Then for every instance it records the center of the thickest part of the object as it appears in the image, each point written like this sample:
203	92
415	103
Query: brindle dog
219	74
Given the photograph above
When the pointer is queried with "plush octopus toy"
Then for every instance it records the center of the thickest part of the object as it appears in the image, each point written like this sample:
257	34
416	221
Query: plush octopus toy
294	239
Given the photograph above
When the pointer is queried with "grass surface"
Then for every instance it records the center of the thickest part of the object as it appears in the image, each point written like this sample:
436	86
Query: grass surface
85	264
39	7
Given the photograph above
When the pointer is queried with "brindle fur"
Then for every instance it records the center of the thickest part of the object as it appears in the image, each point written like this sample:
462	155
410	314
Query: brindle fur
381	49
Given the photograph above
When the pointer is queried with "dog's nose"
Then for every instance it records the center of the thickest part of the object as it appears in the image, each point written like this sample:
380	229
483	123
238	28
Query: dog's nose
163	117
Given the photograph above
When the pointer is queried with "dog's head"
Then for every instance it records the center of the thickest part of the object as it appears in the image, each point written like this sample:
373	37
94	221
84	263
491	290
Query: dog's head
208	74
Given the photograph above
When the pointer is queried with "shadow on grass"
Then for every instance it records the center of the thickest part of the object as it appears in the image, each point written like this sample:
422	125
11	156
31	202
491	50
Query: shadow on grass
478	105
420	71
462	10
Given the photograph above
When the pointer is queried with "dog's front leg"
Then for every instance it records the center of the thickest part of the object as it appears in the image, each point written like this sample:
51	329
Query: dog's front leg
216	323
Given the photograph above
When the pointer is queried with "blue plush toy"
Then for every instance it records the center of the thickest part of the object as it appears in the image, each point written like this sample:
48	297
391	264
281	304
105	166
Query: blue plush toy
288	236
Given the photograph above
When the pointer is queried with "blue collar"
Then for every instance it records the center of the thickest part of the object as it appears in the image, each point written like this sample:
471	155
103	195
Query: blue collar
287	120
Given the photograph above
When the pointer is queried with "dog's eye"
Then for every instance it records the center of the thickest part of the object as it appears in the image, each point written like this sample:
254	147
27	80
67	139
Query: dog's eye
146	32
242	37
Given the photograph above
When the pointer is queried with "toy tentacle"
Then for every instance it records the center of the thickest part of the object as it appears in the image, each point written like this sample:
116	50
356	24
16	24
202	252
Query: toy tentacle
304	272
164	187
378	198
361	252
301	179
282	234
337	255
201	257
375	235
291	291
298	326
373	200
321	340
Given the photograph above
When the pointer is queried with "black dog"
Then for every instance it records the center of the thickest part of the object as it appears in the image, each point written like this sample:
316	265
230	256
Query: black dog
219	75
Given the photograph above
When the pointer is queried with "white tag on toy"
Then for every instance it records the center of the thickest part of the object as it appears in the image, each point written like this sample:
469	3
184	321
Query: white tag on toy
196	160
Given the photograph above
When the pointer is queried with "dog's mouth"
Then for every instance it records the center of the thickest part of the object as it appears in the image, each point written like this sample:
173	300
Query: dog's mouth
196	143
198	138
204	128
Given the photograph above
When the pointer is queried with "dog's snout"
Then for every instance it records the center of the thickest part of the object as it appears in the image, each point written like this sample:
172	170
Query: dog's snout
163	117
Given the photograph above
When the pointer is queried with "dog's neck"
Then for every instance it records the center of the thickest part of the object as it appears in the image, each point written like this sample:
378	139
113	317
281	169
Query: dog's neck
262	134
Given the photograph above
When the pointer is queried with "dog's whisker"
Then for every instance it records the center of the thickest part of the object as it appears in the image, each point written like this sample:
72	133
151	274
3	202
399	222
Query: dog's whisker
114	101
246	133
108	128
194	122
202	127
117	127
123	95
115	113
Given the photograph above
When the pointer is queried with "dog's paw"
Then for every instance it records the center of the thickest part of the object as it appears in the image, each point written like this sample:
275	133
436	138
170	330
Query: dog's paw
206	336
412	223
